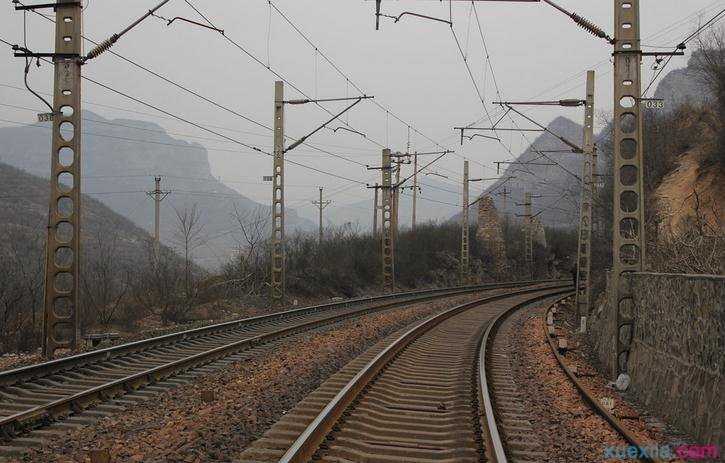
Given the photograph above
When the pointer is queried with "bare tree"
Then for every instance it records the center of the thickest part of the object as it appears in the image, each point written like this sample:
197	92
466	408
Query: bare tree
709	65
154	286
253	226
104	282
188	236
21	288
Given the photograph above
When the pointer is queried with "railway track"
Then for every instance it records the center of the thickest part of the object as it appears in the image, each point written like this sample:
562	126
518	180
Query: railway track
616	425
55	396
420	395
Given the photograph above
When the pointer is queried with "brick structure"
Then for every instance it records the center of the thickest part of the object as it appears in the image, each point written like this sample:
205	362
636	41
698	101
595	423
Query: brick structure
490	233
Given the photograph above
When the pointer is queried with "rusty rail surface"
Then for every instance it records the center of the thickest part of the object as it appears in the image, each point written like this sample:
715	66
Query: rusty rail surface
333	416
101	362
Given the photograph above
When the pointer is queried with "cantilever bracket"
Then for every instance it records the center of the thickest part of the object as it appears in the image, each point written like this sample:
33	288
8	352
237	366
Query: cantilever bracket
302	140
168	23
18	6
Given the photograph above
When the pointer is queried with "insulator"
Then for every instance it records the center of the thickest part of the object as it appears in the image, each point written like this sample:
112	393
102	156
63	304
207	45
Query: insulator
101	47
590	27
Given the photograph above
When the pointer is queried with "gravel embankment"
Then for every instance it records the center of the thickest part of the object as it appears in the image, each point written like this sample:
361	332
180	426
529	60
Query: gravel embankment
572	431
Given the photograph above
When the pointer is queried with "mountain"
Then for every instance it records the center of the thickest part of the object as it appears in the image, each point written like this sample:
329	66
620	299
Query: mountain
684	86
556	188
120	158
24	219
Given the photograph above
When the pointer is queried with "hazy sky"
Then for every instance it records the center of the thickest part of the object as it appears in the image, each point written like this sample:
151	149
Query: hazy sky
413	68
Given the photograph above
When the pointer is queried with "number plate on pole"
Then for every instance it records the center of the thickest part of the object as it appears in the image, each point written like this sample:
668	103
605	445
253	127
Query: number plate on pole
45	117
654	104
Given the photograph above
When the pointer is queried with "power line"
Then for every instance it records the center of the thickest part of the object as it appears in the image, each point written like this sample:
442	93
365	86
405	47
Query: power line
201	127
682	44
204	98
270	69
376	102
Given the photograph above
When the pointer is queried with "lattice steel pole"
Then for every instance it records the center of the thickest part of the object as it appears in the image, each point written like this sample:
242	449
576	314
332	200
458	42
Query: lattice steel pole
583	283
278	238
63	250
387	241
628	225
465	264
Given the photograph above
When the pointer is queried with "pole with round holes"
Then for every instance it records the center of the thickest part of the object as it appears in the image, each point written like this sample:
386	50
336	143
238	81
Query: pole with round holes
62	263
583	283
628	224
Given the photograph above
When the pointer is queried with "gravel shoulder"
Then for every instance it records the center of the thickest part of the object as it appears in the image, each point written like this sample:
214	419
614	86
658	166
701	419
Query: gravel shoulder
573	431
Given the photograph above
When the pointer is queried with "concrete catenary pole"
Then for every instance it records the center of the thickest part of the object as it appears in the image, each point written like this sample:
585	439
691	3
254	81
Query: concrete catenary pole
628	221
376	208
63	250
415	190
528	235
396	197
585	214
278	236
387	234
465	265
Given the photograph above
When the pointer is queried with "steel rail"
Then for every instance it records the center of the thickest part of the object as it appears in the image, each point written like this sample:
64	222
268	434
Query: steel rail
30	372
309	441
12	424
591	400
496	453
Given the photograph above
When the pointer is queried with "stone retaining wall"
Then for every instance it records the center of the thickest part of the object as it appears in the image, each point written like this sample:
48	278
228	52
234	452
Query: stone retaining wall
677	359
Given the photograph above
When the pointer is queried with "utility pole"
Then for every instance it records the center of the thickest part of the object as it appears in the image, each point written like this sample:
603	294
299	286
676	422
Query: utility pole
376	208
157	195
628	224
388	237
63	249
278	238
322	205
465	266
583	286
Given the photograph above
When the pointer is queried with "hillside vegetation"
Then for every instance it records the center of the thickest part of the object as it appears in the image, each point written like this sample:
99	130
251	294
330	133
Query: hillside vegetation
115	263
684	173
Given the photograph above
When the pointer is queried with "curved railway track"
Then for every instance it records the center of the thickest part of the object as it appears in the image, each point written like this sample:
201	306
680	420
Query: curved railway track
80	388
416	396
588	396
